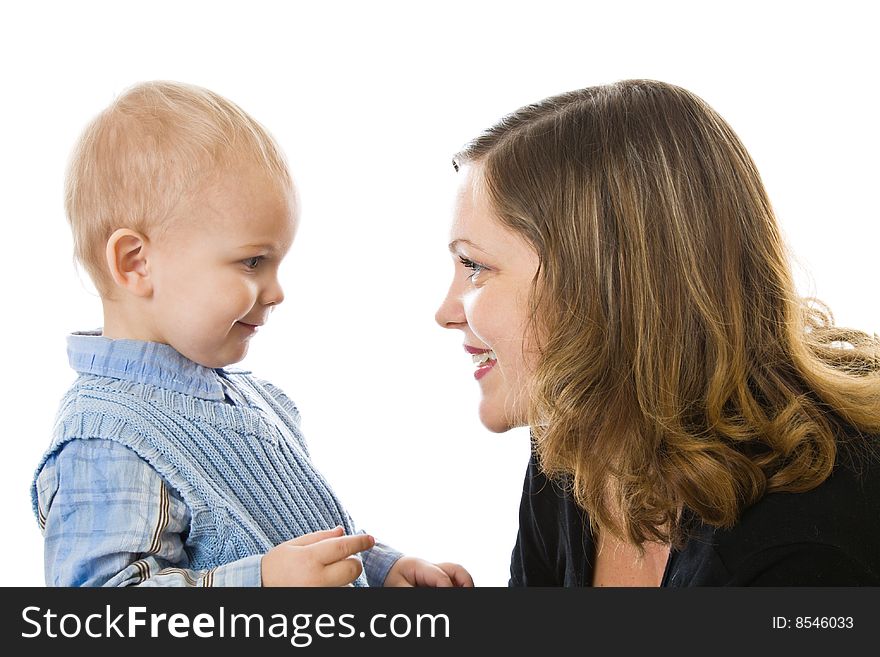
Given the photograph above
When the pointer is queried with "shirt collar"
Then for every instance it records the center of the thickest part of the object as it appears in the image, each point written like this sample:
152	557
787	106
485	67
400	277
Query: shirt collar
143	362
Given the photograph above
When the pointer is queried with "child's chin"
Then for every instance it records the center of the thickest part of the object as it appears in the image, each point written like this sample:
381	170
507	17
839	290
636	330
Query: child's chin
225	360
232	361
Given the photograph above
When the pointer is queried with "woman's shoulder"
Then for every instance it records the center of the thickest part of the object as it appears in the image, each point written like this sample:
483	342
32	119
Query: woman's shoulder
554	546
850	495
829	534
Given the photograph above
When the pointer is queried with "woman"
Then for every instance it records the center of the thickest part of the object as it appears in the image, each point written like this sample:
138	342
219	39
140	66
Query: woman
624	290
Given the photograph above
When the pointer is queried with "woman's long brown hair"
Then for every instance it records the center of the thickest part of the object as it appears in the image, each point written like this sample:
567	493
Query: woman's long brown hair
678	368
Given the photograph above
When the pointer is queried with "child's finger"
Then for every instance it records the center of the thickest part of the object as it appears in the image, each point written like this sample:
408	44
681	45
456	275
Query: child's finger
314	537
343	572
458	574
336	549
435	577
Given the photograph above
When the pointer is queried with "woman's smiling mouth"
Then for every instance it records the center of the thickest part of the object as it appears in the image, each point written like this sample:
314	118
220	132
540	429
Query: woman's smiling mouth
484	359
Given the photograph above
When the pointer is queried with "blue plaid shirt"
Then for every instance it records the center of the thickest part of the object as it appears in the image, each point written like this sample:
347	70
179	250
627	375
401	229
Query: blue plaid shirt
109	519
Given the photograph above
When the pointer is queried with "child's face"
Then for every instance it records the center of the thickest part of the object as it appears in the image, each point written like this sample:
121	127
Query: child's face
215	270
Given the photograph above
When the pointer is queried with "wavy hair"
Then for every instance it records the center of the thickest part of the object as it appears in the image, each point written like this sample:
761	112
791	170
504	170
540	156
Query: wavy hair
678	367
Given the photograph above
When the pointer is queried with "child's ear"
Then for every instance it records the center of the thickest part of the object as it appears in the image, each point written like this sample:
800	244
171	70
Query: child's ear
126	255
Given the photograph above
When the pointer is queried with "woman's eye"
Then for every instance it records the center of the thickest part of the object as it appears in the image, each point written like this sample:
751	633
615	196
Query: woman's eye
252	263
475	267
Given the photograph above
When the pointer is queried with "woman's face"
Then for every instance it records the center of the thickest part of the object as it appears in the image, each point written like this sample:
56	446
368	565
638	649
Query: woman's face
488	301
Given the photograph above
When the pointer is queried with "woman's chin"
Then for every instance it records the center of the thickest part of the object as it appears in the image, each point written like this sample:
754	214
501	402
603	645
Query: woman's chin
495	421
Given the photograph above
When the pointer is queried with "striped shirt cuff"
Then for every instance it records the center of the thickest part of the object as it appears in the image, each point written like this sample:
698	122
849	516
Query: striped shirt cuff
244	572
378	560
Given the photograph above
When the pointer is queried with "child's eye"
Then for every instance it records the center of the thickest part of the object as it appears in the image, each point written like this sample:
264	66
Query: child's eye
253	263
475	267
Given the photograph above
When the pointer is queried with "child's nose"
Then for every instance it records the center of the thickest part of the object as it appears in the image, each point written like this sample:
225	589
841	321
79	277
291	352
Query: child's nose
273	294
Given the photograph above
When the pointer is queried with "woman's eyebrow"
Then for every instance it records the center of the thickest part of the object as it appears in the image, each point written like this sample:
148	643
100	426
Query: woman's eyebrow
453	245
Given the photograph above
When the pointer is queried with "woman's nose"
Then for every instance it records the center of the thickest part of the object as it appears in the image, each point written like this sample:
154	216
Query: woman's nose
450	314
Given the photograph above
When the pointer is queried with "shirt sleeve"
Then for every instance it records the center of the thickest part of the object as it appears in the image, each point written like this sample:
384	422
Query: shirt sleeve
378	561
109	519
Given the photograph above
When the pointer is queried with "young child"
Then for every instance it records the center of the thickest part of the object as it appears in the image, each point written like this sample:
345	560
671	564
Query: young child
165	469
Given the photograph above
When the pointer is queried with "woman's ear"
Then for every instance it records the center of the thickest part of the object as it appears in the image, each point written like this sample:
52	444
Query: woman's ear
126	255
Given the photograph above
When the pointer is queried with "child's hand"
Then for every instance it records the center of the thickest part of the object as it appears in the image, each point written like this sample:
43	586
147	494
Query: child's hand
324	558
410	571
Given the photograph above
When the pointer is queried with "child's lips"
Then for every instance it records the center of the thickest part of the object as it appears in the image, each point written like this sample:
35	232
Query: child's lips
250	327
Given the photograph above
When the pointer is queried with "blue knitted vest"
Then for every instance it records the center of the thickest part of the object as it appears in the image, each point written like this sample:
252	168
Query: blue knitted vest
243	470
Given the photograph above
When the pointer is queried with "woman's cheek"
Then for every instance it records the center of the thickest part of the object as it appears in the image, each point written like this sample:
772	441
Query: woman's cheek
479	315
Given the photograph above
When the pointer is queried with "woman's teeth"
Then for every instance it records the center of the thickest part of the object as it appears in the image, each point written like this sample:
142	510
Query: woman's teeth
484	357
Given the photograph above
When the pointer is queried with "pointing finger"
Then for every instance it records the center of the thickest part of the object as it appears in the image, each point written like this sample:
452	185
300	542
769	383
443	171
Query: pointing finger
341	547
315	537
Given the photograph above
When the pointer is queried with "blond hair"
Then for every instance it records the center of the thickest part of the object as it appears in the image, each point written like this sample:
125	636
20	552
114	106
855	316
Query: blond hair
155	143
678	369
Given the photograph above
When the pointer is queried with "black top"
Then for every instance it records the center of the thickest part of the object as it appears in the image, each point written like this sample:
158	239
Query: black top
829	536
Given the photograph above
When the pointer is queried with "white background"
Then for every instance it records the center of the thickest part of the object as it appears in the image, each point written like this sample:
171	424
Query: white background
370	100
